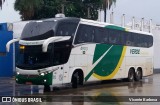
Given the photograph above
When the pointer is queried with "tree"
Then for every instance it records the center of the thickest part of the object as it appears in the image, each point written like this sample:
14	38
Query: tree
71	8
1	2
27	8
106	4
83	8
48	9
38	9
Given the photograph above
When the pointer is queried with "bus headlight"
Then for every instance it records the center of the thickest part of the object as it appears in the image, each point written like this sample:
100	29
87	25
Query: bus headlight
42	74
18	73
21	47
45	80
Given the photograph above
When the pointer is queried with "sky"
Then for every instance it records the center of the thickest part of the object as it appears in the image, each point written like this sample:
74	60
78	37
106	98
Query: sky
8	14
149	9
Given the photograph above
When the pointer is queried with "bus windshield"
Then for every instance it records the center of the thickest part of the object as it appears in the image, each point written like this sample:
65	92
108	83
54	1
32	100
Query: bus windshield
32	57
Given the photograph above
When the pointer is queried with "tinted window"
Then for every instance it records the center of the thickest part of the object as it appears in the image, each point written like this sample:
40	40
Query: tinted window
130	39
35	29
66	29
150	41
85	34
114	37
101	35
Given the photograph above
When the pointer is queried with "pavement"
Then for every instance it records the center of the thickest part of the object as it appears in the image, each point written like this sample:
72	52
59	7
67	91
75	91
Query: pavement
95	93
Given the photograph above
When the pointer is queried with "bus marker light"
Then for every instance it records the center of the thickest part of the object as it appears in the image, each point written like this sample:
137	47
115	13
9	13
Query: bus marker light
22	47
42	74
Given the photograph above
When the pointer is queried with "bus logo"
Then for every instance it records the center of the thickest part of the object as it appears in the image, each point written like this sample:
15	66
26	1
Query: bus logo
84	48
134	51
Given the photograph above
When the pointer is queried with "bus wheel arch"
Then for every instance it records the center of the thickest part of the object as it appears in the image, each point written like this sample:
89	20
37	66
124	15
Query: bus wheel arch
77	78
131	74
138	74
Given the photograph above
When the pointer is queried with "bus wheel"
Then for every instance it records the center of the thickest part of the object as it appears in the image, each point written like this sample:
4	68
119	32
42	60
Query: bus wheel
47	88
75	79
138	76
131	75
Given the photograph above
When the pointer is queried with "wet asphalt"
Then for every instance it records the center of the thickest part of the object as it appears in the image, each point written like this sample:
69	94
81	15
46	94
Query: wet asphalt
112	92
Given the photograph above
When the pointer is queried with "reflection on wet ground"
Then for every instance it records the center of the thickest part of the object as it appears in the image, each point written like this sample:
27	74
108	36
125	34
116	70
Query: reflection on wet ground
90	92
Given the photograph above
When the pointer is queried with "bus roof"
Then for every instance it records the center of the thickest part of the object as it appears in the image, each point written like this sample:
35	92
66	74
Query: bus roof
91	22
103	24
73	19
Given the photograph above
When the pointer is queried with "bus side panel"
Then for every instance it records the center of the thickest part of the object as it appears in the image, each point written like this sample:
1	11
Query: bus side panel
66	72
107	62
148	66
135	62
122	72
140	57
58	76
81	58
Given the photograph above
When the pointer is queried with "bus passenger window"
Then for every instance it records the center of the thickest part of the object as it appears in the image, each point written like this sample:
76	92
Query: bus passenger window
85	34
130	39
112	40
66	29
101	35
114	37
128	43
60	33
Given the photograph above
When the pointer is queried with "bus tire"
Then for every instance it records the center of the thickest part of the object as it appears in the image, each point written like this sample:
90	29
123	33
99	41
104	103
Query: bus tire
131	75
138	75
47	88
75	80
81	78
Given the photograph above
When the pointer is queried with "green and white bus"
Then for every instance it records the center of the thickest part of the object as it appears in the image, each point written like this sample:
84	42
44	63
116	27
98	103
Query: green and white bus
73	50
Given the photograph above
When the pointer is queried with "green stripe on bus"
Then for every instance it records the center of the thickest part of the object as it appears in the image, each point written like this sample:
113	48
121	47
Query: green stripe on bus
99	51
108	63
115	27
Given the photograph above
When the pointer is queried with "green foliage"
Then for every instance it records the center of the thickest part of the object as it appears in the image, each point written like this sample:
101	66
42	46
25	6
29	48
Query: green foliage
38	9
85	9
28	8
49	9
72	8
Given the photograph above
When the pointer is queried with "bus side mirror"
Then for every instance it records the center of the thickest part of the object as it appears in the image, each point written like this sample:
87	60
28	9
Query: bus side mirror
9	44
53	40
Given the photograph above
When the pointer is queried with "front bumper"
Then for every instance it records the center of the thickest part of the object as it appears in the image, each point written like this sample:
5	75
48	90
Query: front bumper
35	79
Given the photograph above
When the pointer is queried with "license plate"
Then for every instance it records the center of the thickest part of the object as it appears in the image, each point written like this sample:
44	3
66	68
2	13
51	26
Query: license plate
28	83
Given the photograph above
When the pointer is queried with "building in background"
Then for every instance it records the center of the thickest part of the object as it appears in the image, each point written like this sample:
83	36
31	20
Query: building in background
6	59
8	31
